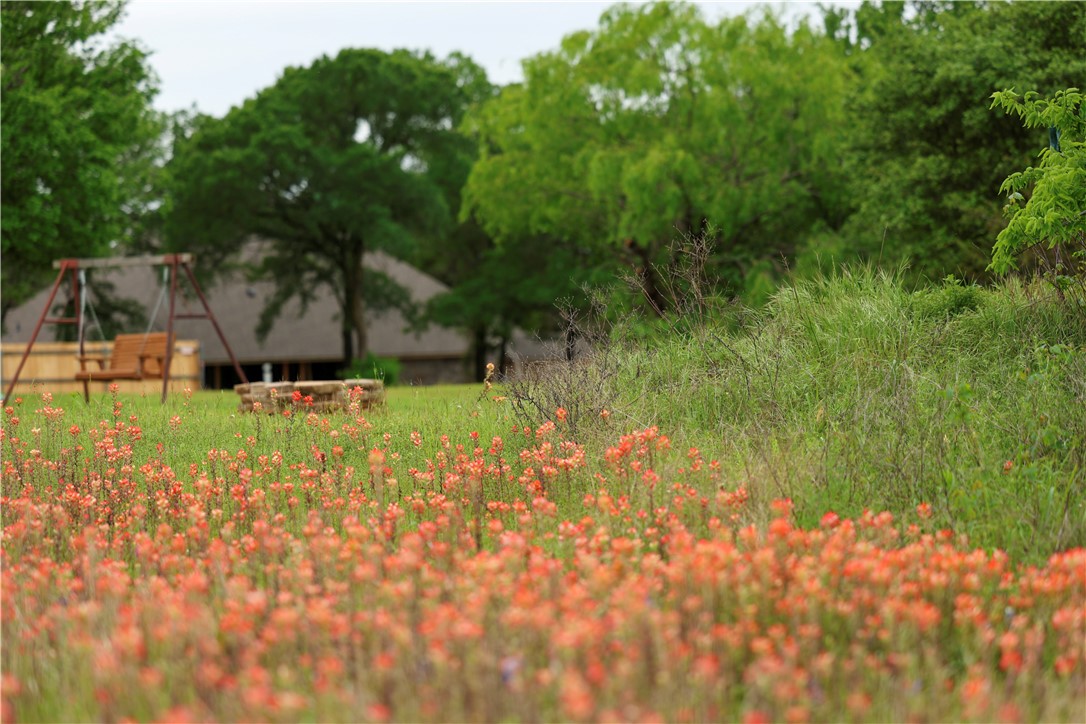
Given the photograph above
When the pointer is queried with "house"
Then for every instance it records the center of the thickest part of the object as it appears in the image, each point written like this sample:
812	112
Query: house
299	346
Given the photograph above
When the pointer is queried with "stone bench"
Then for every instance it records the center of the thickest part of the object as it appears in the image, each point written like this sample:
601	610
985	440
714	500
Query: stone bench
326	396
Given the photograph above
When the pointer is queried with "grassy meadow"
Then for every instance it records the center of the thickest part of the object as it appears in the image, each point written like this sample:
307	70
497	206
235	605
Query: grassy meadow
857	503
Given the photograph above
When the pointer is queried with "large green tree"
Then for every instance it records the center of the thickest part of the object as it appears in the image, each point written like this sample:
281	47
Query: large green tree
354	153
928	157
75	126
659	123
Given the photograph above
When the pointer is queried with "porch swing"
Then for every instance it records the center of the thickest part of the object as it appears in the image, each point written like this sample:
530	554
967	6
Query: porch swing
134	356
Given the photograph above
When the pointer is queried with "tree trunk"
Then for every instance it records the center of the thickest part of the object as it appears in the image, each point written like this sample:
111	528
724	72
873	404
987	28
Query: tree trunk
479	349
650	282
503	358
358	317
354	316
348	346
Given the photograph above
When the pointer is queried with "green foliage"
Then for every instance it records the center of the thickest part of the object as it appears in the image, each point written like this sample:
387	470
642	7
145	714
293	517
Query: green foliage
386	369
77	136
502	288
495	289
925	157
658	123
354	153
949	300
1055	213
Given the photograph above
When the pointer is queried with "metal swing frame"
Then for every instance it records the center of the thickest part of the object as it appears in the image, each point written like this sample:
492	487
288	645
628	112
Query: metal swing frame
175	262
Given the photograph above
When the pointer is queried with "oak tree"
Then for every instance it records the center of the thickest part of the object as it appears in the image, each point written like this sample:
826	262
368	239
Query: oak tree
332	161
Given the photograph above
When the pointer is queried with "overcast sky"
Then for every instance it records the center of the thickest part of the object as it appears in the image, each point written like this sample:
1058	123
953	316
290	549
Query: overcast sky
215	54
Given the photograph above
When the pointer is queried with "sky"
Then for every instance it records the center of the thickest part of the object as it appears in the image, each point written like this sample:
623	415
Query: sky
214	54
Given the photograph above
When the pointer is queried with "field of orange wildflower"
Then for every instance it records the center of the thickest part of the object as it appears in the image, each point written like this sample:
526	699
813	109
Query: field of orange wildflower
182	564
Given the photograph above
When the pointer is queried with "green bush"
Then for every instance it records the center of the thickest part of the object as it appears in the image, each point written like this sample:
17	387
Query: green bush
947	301
1054	214
386	369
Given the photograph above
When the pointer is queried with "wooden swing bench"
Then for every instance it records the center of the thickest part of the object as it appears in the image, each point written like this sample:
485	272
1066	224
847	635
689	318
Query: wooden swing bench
134	357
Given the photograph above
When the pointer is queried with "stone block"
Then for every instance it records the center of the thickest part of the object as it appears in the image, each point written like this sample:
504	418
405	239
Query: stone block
327	395
318	387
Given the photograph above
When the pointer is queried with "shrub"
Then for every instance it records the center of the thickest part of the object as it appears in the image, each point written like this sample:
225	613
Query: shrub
386	369
1054	216
946	301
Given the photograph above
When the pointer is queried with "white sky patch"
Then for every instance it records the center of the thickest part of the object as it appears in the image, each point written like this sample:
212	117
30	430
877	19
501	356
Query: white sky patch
363	133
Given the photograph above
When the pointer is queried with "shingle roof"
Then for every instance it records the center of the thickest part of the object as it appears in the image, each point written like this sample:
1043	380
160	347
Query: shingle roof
237	303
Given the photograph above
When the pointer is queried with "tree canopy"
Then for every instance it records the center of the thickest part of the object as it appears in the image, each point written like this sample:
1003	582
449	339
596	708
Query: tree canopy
658	122
352	154
75	115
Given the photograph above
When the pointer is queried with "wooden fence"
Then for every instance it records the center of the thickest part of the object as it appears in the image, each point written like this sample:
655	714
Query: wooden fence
51	367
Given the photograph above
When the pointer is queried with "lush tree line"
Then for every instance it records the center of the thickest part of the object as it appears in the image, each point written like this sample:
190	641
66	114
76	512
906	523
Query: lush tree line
865	134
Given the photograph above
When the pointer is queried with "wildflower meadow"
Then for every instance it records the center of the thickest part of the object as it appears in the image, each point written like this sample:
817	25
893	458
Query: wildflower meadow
438	560
788	307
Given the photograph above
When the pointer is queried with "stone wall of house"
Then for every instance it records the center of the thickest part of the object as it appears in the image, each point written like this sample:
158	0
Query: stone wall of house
434	372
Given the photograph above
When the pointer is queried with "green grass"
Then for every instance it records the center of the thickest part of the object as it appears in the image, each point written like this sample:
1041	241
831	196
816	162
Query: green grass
851	392
209	420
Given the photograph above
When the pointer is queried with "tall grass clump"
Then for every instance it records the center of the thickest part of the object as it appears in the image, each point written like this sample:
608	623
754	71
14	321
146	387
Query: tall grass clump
849	391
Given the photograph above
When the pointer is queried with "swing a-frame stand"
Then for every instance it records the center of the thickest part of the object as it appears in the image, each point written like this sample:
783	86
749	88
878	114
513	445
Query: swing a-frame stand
74	268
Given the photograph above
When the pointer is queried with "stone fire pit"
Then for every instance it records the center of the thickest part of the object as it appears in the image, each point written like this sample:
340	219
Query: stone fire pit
323	395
